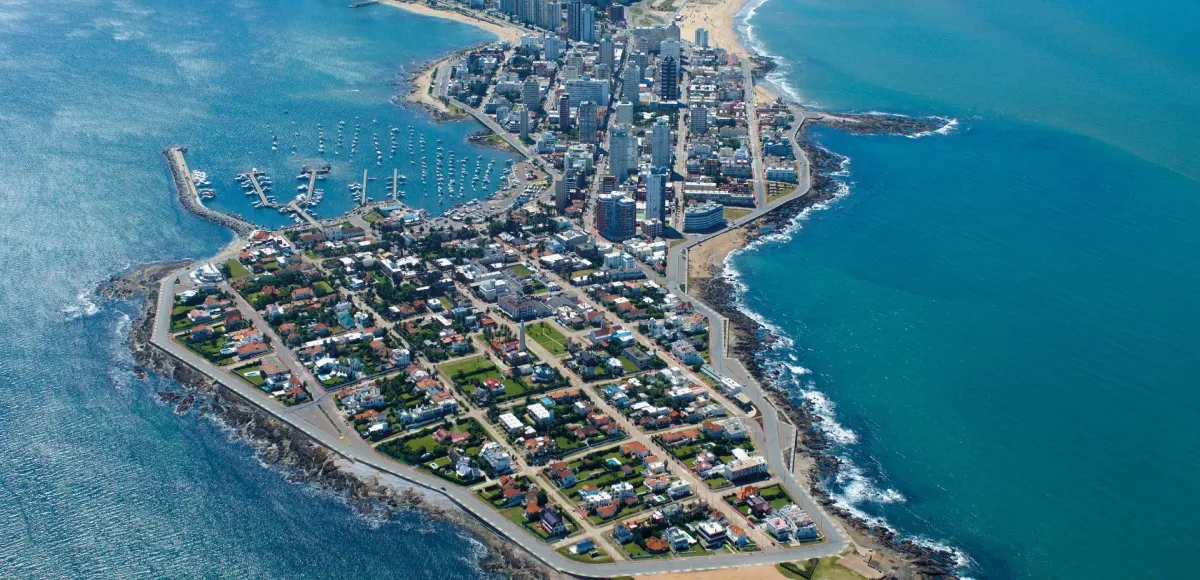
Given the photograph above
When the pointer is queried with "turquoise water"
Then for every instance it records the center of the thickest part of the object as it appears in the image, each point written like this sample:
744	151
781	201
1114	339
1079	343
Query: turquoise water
999	322
97	479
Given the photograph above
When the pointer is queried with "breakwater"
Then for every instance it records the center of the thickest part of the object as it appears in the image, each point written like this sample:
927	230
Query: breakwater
185	192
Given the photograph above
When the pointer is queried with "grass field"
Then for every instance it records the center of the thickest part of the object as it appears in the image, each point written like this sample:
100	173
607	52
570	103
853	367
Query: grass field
467	366
545	334
237	270
520	270
733	213
596	556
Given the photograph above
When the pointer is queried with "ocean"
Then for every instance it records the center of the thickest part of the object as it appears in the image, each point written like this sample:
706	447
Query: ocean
97	478
997	323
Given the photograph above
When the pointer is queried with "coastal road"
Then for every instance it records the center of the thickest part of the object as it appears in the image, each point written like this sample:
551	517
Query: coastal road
756	168
318	425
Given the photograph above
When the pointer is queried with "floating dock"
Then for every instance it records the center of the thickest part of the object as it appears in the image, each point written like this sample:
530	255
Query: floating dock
262	197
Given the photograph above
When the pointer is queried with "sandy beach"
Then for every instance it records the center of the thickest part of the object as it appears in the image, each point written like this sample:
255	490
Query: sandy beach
718	17
509	33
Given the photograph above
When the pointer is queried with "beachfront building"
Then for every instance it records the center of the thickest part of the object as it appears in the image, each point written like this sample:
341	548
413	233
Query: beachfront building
616	217
703	217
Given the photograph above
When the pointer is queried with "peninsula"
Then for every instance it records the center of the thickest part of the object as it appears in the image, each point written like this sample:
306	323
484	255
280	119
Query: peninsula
565	368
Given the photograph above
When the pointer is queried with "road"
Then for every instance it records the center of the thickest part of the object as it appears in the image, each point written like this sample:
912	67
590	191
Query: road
323	425
760	189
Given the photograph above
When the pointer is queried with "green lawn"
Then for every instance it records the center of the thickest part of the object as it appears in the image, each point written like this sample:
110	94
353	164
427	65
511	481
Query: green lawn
545	334
251	375
733	213
374	216
322	288
596	556
520	270
237	270
467	366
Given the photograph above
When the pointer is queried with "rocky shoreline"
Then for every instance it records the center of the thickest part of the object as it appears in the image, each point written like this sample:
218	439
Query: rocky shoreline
278	444
753	339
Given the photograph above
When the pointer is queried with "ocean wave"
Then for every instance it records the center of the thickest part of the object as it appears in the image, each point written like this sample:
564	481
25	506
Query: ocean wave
852	488
83	306
948	126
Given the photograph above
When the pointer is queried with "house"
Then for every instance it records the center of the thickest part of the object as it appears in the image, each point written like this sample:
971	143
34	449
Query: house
635	449
496	457
711	533
511	423
583	547
779	528
444	437
737	536
621	533
251	350
553	522
678	539
759	507
678	489
201	332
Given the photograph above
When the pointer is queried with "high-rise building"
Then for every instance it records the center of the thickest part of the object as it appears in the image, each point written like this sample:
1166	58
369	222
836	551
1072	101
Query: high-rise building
603	72
616	12
587	24
525	10
623	112
702	37
669	48
524	123
552	13
642	60
531	93
594	90
668	79
587	122
574	17
698	120
508	6
575	59
607	52
656	195
622	151
560	195
616	216
660	143
608	184
551	46
630	81
564	112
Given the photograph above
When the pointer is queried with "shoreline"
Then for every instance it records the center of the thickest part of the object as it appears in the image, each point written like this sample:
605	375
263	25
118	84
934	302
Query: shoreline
712	280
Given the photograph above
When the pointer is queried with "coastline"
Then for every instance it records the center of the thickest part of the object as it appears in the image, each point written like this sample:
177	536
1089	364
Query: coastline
712	279
280	445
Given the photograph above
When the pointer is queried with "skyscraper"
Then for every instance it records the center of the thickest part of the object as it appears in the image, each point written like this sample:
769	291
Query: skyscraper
698	121
607	52
623	111
622	151
630	80
531	93
508	6
574	15
669	48
668	79
702	37
524	123
525	10
587	24
656	195
564	112
660	143
587	122
616	216
551	46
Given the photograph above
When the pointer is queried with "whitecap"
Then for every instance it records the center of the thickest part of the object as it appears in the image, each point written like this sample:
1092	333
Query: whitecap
82	307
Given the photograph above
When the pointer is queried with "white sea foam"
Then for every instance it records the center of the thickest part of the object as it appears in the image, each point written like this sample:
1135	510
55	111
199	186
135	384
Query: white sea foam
852	489
948	127
82	307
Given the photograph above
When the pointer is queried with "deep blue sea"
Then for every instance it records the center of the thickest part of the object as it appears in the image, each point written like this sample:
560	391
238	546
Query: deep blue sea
999	323
97	479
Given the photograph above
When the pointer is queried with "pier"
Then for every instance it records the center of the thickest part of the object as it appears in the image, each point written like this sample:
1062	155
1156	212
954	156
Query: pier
363	194
262	197
295	207
395	184
312	183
